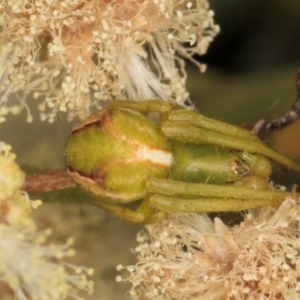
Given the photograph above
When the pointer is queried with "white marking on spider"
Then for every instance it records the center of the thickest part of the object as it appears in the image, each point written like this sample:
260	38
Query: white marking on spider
155	156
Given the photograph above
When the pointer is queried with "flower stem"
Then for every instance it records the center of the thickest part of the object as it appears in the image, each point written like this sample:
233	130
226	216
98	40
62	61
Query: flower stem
48	181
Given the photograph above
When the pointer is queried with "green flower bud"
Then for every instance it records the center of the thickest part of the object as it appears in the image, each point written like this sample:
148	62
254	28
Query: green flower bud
112	153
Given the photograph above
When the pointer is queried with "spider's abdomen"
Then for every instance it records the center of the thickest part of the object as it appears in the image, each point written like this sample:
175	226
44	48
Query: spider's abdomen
112	153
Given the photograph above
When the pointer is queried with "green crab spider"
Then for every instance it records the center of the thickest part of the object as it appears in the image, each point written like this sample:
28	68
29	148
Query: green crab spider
144	160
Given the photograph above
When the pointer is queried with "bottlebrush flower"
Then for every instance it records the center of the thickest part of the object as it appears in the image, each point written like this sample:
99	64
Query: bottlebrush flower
189	256
75	54
32	269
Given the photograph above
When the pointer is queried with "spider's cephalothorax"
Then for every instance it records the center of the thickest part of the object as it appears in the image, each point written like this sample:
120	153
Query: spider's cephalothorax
166	159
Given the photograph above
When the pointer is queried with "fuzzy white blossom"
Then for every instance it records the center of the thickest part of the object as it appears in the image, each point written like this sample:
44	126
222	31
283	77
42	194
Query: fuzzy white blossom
31	268
8	57
189	256
73	54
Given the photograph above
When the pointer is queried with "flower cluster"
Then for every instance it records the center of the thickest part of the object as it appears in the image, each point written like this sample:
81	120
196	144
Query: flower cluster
8	57
189	256
30	268
73	54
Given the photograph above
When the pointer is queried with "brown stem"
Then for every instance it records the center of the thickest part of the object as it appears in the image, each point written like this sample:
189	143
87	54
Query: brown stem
48	181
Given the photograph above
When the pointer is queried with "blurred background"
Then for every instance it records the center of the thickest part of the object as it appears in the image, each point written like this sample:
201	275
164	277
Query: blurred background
252	67
255	35
251	75
252	61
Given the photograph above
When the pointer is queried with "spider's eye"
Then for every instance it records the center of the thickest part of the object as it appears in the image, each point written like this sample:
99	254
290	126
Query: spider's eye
239	168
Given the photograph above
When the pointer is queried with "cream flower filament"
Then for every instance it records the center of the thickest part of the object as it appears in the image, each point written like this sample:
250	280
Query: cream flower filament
76	54
28	266
189	256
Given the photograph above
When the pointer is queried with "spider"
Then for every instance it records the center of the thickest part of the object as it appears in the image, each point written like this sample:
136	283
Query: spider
144	160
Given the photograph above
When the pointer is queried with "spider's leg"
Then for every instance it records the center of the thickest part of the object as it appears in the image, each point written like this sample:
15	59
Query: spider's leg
263	127
172	196
194	118
181	189
187	131
140	215
156	216
171	204
146	105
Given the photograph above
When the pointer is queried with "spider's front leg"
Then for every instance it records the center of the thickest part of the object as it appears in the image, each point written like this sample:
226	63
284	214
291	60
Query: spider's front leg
174	196
142	106
190	126
143	214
